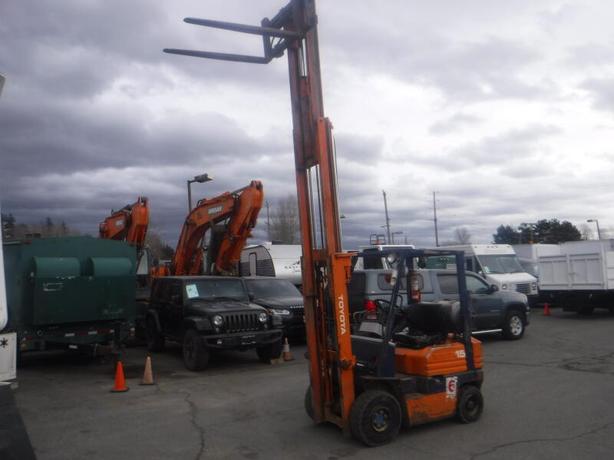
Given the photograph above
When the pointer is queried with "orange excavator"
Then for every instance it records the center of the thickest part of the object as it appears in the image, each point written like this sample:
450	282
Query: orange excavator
421	366
128	224
230	218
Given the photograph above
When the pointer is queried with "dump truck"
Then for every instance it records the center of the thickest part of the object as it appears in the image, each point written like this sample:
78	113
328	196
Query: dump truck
579	277
70	293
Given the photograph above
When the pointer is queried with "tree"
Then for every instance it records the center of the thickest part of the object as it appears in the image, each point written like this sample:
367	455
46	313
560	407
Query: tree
157	246
550	231
8	226
462	235
506	235
586	231
284	221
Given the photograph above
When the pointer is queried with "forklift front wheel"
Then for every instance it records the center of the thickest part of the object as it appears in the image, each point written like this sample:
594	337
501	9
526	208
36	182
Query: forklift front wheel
470	404
375	418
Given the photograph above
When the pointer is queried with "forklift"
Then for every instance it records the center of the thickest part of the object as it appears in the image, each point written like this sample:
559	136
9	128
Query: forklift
368	386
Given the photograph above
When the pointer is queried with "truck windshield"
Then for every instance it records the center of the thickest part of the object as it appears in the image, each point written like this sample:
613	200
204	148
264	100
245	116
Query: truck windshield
272	288
212	289
498	264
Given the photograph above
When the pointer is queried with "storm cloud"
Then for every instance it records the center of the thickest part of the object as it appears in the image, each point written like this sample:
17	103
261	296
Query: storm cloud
504	110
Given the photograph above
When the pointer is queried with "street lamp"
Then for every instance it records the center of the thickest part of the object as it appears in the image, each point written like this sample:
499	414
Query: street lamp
200	179
596	223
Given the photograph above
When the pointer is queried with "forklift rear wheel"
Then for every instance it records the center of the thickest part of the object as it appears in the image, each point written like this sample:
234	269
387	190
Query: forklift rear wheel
309	403
155	340
195	353
375	418
470	404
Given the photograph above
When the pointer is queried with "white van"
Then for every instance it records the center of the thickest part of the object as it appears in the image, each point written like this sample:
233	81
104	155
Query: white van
498	263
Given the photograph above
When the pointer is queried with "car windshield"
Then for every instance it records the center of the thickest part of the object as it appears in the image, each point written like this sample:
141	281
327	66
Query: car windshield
214	289
500	264
272	288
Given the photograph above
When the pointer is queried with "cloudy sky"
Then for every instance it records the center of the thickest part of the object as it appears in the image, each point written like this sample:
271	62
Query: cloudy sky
506	109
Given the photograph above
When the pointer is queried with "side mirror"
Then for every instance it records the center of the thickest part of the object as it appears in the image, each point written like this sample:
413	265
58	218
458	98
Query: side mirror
493	288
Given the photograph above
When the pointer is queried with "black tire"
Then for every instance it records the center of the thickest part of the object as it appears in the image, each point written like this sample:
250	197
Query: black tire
375	418
309	403
155	340
195	352
513	325
269	351
470	404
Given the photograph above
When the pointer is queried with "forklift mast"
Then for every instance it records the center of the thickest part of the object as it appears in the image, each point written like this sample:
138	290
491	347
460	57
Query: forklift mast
326	269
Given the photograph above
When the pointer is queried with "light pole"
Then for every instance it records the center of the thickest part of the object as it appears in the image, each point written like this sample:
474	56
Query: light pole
596	223
200	179
387	226
435	220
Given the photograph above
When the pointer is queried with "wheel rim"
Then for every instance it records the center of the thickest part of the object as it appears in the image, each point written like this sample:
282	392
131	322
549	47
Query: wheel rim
380	419
515	325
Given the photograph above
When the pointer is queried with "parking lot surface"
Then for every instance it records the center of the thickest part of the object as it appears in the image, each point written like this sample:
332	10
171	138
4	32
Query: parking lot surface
549	395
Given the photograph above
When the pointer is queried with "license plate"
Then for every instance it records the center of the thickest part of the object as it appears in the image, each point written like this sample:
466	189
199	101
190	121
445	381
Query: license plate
248	339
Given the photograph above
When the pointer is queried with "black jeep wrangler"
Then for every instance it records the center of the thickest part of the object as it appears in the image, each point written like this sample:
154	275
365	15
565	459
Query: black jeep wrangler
208	313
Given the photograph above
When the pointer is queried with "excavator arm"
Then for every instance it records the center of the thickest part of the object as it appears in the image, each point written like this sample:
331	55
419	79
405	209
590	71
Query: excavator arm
238	211
128	224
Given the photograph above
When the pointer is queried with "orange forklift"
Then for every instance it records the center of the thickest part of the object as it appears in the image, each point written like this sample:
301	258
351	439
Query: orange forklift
422	365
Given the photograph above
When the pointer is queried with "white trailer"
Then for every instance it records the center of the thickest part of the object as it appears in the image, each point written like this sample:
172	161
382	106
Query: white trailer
580	277
8	342
529	253
278	260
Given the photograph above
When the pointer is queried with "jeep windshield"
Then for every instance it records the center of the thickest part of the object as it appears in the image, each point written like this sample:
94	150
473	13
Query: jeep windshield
499	264
216	289
271	288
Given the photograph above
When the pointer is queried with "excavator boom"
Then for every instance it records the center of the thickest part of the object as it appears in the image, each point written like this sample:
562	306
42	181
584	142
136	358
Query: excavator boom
128	224
238	212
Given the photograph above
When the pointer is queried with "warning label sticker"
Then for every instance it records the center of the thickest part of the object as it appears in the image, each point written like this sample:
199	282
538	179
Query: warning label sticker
451	387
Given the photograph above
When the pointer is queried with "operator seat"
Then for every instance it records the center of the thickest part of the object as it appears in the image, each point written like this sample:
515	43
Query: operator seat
427	323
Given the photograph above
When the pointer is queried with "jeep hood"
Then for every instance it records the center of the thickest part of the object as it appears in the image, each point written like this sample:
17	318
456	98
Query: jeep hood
223	306
279	302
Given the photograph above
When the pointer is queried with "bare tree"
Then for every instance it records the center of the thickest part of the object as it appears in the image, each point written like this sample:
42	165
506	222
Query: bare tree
586	231
284	226
157	246
462	235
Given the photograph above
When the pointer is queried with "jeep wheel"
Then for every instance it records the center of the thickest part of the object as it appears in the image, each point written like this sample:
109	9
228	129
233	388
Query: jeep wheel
375	418
195	353
470	404
269	351
513	326
155	340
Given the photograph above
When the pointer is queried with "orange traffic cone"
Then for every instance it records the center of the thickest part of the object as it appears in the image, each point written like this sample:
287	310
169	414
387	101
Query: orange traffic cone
287	354
546	309
148	374
120	380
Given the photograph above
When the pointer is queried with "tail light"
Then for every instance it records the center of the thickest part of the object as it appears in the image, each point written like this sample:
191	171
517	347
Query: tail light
415	284
370	306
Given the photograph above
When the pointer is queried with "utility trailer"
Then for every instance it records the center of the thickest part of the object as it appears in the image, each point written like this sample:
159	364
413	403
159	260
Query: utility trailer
268	259
580	277
70	293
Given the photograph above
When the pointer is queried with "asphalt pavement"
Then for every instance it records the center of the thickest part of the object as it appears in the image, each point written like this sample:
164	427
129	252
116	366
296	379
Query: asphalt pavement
549	395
